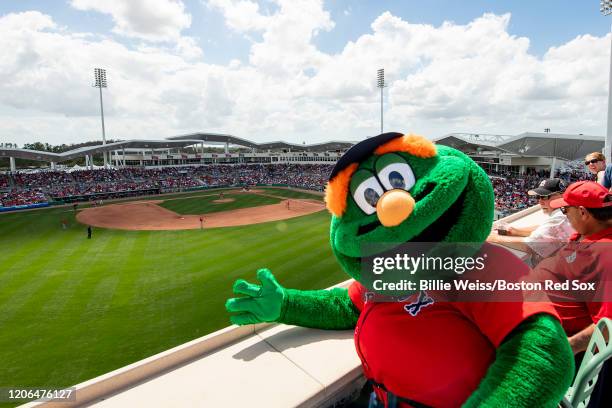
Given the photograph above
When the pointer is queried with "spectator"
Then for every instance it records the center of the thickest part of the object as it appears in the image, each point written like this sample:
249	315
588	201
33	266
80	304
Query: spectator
596	163
541	240
588	207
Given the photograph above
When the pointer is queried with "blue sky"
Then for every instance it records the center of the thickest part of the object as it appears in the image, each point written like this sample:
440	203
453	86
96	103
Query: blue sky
546	23
279	69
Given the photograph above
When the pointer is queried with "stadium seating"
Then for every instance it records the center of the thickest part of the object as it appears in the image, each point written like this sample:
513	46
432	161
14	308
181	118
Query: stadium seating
598	352
82	185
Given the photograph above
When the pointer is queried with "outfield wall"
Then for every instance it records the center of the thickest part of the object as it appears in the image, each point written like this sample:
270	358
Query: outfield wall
24	207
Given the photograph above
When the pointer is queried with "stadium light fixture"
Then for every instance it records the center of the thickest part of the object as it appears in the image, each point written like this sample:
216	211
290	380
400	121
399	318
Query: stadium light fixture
380	83
606	9
100	82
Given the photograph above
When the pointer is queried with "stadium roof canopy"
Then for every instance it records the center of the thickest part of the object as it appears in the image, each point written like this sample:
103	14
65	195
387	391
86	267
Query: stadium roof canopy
172	142
233	140
90	150
562	146
569	147
469	147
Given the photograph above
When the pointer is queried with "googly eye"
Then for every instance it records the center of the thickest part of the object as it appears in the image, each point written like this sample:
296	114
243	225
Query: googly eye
367	194
397	175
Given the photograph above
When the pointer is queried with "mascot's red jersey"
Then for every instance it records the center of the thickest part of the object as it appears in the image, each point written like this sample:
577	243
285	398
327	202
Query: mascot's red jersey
435	352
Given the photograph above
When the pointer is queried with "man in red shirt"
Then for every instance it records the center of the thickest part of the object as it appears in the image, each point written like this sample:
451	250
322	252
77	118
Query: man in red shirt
587	257
588	207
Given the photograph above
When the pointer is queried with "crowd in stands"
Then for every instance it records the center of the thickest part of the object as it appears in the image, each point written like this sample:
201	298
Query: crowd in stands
60	192
5	182
44	179
15	197
307	176
59	185
510	188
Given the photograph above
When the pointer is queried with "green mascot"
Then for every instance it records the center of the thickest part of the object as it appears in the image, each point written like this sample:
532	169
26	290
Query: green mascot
420	351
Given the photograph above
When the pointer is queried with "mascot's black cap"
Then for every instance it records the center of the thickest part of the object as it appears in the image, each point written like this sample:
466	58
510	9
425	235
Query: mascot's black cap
361	151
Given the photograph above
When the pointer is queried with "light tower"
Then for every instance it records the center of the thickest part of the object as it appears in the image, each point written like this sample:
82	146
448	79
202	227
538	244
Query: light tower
606	9
380	83
100	82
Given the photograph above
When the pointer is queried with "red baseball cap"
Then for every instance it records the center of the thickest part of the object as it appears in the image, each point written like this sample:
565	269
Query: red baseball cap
586	194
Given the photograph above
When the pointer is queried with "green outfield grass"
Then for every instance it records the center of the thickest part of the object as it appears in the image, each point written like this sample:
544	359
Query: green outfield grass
291	193
72	308
204	203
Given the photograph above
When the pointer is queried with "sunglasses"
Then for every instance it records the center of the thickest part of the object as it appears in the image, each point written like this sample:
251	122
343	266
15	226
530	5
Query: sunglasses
564	209
592	161
542	197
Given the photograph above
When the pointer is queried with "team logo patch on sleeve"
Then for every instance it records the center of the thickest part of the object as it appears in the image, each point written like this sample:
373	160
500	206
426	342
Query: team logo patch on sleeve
571	258
415	307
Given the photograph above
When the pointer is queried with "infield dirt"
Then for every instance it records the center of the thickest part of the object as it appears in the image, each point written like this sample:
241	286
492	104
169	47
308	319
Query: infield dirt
149	216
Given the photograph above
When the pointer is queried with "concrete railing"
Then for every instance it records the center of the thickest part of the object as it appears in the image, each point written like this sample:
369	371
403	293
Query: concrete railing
521	214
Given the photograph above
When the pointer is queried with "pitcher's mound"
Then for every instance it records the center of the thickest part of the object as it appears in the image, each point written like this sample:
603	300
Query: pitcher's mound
147	215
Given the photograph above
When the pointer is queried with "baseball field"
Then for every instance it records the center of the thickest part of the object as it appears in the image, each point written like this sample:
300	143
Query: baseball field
72	308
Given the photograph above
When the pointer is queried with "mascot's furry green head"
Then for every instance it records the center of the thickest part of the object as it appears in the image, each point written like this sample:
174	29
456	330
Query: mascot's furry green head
421	349
396	188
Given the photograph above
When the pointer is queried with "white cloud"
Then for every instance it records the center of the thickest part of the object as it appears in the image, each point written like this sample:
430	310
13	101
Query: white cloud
153	20
188	48
286	48
240	15
474	77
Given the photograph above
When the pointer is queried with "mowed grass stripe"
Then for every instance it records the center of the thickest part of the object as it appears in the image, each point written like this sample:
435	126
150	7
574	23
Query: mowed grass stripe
9	228
73	275
274	257
62	258
236	237
261	235
103	274
114	313
162	311
25	278
206	204
103	265
22	247
287	193
134	245
32	297
82	322
296	255
271	249
20	244
54	328
257	252
68	289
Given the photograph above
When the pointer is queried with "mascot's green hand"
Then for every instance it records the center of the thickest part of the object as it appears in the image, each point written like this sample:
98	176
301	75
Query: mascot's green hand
263	303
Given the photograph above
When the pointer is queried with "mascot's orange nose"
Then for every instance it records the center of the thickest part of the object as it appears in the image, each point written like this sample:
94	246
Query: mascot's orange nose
394	207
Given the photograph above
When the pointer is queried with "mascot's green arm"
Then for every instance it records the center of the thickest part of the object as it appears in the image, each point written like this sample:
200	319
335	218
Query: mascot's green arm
270	302
533	367
320	309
